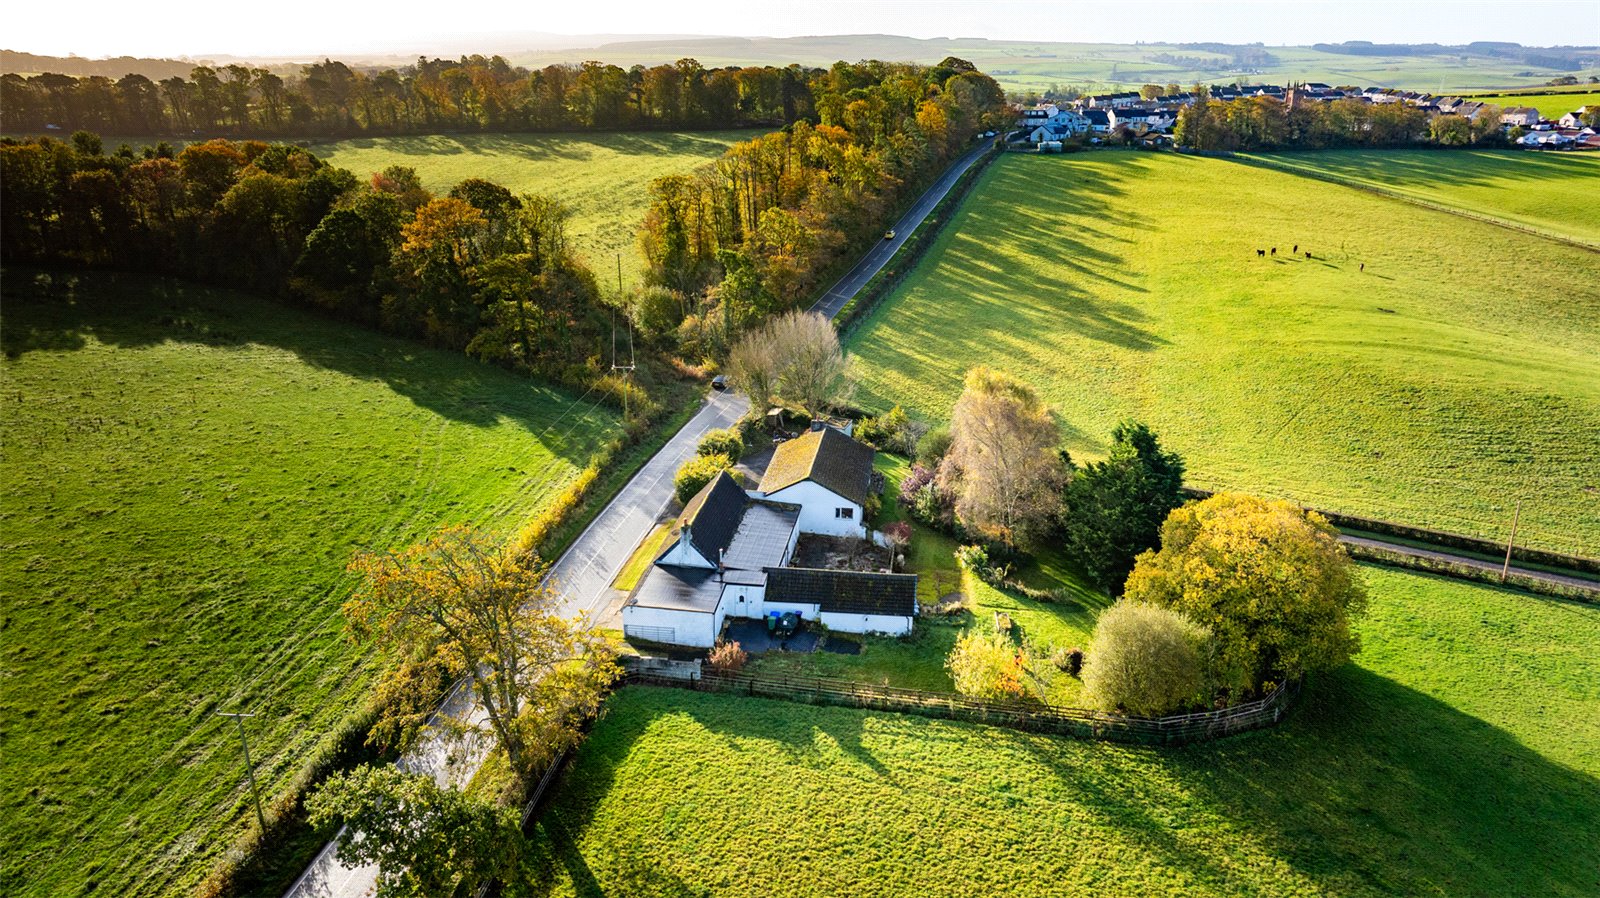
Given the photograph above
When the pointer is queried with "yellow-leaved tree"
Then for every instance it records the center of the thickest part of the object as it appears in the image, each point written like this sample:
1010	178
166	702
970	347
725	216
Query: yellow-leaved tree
1268	580
472	607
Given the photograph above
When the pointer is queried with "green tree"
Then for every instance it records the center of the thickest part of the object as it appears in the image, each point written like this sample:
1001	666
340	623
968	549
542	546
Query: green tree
1112	510
1145	660
1270	582
425	840
489	614
696	473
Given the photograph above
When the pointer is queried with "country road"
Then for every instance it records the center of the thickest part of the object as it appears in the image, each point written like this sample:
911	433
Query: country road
585	571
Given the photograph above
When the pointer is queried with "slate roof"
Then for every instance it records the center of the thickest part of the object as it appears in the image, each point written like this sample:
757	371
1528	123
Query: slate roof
763	536
679	589
826	457
844	592
712	516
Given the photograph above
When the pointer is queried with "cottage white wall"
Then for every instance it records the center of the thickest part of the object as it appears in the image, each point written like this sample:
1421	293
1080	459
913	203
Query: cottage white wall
691	628
742	601
889	624
806	612
817	507
683	554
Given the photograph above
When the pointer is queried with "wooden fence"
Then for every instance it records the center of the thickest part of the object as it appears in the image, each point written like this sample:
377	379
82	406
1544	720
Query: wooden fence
1029	717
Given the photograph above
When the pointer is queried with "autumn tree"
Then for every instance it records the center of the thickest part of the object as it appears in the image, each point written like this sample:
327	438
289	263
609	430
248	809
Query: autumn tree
753	369
815	374
1003	447
426	840
985	665
1112	510
1145	660
491	615
1270	582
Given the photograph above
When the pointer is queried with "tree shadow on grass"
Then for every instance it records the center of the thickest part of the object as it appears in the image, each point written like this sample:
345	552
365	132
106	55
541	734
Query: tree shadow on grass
1374	788
60	311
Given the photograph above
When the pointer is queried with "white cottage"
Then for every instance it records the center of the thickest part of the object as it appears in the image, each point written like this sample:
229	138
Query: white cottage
730	556
827	474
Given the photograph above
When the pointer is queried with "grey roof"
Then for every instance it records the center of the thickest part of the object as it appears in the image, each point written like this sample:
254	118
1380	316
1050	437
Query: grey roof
679	589
826	457
844	592
762	537
712	516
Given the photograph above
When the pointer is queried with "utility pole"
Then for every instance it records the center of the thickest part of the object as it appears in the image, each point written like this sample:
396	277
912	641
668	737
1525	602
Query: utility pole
248	769
632	359
1505	569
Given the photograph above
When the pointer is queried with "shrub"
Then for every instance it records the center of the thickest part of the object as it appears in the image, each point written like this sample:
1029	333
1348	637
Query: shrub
933	445
696	473
1069	660
532	536
726	442
729	657
898	534
1269	580
1146	660
985	665
911	485
976	559
893	431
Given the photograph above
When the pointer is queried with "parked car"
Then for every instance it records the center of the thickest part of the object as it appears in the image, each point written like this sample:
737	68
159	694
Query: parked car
720	382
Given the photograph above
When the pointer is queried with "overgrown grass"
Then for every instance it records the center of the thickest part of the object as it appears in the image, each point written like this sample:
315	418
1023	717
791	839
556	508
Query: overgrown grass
603	178
188	472
1460	756
1454	375
1545	191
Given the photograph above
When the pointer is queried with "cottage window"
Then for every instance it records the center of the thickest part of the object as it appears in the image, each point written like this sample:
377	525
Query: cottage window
845	513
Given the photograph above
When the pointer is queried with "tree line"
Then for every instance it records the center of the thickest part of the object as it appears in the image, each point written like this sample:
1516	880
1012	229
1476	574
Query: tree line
479	270
473	93
1266	123
751	233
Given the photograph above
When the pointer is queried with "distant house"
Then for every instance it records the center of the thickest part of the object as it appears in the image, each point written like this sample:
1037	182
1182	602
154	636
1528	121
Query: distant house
731	554
1573	119
827	474
1519	116
1099	121
1143	118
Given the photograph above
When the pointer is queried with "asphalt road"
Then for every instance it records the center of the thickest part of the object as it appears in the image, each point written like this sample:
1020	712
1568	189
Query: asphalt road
832	301
585	571
1547	576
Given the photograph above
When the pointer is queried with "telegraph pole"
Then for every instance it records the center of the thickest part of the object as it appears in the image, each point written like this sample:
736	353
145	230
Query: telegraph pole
632	358
248	769
1505	569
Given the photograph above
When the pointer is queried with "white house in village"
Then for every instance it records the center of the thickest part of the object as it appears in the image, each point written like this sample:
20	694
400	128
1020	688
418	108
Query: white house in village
732	551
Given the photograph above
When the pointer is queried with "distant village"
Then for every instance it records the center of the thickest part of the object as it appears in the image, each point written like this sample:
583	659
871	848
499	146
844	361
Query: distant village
1150	120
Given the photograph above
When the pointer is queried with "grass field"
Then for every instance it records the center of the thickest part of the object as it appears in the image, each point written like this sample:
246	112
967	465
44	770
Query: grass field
603	178
1549	192
1460	756
187	473
1455	375
1551	106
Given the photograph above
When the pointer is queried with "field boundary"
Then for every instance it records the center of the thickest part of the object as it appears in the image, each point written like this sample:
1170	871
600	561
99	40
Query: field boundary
1441	538
1290	168
1394	556
1079	723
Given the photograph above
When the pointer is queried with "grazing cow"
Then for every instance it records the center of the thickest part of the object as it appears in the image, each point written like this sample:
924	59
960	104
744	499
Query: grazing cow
1261	254
1274	252
1297	249
1308	254
1363	266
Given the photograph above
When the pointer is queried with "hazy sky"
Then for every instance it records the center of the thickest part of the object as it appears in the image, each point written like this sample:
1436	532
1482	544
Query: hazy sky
300	27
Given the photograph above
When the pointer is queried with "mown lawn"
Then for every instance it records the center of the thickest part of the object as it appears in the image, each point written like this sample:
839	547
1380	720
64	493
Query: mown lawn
603	178
1549	192
1455	375
187	473
1460	756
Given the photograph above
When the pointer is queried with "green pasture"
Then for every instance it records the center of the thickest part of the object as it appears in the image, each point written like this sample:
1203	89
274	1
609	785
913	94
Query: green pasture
1455	375
1551	106
603	178
187	474
1549	192
1459	755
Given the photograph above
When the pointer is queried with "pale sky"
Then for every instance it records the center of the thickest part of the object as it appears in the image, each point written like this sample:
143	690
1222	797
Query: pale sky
199	28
